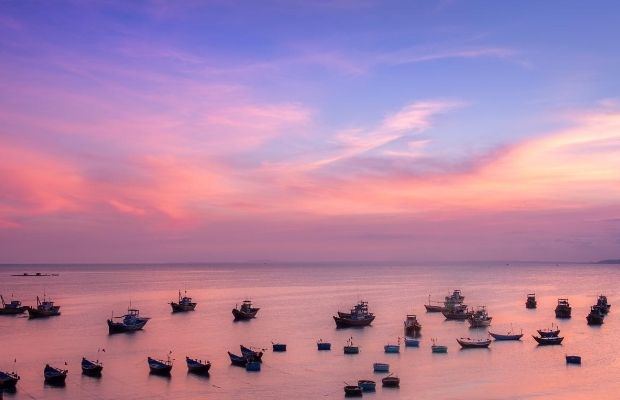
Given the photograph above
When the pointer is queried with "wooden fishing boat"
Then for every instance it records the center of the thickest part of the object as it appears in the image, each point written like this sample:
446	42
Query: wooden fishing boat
359	316
550	332
479	318
239	361
323	346
507	336
160	367
573	359
456	312
352	391
253	366
596	316
469	343
440	349
91	368
433	308
8	380
184	304
563	309
130	322
279	347
251	355
245	311
544	341
603	304
12	308
391	381
44	309
197	366
381	367
366	385
392	348
349	348
531	301
54	376
409	342
412	326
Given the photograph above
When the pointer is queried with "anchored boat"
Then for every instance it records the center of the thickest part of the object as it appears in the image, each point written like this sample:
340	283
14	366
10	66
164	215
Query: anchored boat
531	301
349	348
184	303
12	308
391	381
381	367
603	304
54	376
359	316
596	316
507	336
366	385
251	355
551	340
433	308
563	309
44	309
321	345
91	368
412	326
469	343
8	380
245	311
197	366
160	367
479	318
550	332
130	322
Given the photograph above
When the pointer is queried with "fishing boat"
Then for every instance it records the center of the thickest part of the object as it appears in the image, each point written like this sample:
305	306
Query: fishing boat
456	312
455	298
469	343
440	349
239	361
8	380
573	359
278	347
412	326
563	309
433	308
349	348
531	301
359	316
91	368
479	318
409	342
544	341
54	376
252	366
130	322
392	348
549	332
596	316
197	366
12	308
352	391
603	304
183	304
160	367
323	346
44	309
507	336
251	355
381	367
245	311
366	385
391	381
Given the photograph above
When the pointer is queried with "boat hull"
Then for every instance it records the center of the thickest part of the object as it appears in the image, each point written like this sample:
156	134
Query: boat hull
176	307
352	323
197	367
548	341
412	342
279	347
474	344
239	361
595	319
91	368
390	381
352	391
54	376
250	354
241	315
381	367
573	360
433	309
498	336
439	349
548	333
120	327
36	313
323	346
351	350
13	310
367	385
391	348
8	380
158	367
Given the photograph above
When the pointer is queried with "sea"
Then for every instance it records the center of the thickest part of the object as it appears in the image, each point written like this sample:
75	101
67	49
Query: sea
297	302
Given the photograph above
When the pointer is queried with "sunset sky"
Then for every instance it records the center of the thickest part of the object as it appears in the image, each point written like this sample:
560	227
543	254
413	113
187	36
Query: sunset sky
309	131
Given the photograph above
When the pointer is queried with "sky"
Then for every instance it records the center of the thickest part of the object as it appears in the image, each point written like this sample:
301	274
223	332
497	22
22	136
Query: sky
335	130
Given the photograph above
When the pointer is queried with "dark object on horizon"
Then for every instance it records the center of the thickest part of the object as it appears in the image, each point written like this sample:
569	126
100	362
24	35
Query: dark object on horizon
12	308
197	366
184	304
596	316
160	367
246	311
531	301
543	341
468	343
601	302
130	322
279	347
91	368
359	316
563	309
412	326
45	308
479	318
321	345
433	308
54	376
35	274
612	261
8	380
391	381
251	355
352	391
573	360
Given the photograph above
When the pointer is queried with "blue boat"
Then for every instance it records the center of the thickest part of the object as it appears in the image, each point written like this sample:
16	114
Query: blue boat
321	345
366	385
278	347
160	367
381	367
197	366
573	360
392	348
409	342
54	376
253	366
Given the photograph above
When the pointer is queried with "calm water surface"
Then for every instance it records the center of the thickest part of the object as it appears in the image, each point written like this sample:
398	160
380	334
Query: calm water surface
297	302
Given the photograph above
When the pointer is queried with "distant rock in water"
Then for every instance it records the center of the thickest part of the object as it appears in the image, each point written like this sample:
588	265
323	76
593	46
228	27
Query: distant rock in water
609	261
